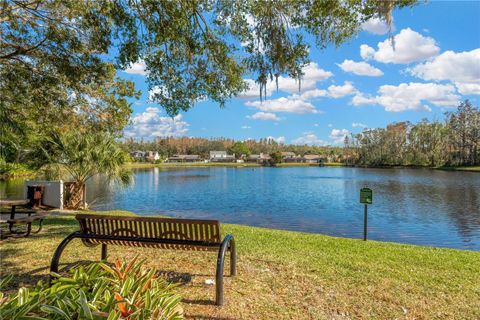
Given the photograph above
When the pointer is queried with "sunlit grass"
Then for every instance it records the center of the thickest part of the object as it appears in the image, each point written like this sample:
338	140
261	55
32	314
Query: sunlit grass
470	169
288	275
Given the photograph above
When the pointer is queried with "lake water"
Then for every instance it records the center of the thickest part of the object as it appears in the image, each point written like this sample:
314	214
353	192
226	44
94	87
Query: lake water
425	207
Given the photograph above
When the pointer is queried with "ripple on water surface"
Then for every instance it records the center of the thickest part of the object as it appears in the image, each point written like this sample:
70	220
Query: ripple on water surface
426	207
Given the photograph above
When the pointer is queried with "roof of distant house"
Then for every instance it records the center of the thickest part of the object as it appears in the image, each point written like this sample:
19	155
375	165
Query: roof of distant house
184	157
288	154
312	156
218	152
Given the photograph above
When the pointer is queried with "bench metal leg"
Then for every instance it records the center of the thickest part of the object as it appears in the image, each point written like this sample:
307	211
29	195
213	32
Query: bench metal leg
104	252
233	258
40	225
20	234
227	243
58	252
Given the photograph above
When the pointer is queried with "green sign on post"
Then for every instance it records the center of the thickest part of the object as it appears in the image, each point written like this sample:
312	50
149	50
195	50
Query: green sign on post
366	196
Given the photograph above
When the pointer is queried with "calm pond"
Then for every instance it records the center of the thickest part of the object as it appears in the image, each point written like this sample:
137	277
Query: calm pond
425	207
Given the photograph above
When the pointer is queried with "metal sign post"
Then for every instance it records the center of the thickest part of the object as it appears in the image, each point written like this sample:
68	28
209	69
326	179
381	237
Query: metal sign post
366	197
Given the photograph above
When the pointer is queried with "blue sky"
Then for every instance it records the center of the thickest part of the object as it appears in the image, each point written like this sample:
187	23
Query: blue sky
363	83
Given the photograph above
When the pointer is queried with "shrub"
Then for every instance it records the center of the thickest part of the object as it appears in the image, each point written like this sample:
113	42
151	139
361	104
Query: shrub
97	291
11	169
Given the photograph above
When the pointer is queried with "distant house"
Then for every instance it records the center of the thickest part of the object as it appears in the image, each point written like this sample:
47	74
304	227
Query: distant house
264	158
152	156
290	157
253	158
184	158
312	158
221	156
138	155
261	158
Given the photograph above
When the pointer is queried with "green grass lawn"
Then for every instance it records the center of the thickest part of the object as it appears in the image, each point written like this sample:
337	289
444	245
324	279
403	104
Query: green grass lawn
473	169
287	275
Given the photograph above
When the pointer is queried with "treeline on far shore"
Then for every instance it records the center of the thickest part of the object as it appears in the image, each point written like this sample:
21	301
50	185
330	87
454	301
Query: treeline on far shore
454	142
169	146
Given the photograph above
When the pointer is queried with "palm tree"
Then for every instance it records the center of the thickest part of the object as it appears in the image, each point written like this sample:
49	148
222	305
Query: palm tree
79	156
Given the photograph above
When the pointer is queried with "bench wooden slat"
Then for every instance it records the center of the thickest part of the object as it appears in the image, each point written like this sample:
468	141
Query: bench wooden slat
186	230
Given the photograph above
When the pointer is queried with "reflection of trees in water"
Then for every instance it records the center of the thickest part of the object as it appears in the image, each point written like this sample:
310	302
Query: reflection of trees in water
11	188
467	216
401	197
425	196
100	190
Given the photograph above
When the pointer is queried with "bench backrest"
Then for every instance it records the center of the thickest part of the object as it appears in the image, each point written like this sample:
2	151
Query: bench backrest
150	228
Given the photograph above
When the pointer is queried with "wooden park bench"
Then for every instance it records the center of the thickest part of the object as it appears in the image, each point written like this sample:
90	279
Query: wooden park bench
164	233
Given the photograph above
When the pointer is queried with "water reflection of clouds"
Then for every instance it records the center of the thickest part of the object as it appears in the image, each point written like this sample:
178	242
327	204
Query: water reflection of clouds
414	206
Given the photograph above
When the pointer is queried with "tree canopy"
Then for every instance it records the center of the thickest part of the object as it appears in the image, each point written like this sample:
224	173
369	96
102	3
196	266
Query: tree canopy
454	142
79	156
58	58
192	48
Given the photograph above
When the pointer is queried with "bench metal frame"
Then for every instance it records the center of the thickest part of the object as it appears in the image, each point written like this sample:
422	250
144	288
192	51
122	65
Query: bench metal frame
228	244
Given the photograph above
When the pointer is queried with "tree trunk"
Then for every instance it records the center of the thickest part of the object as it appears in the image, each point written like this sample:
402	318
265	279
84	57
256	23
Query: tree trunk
75	195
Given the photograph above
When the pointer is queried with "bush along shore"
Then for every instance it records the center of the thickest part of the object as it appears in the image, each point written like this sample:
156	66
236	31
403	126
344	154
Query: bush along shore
283	275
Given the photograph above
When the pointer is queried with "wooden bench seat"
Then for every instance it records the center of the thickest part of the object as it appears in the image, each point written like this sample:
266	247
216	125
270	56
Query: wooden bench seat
163	233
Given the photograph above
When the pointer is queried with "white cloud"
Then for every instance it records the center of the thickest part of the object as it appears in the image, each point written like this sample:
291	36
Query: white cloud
361	99
360	68
411	96
312	74
366	52
377	26
408	46
156	90
253	90
267	116
310	139
312	94
468	88
280	140
290	104
338	135
246	127
461	68
138	67
340	91
359	125
150	124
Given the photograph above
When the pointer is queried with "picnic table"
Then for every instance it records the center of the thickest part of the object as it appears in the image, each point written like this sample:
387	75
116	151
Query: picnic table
13	204
13	220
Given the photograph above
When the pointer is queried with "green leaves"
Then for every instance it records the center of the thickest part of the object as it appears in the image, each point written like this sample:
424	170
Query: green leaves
78	156
192	49
453	142
97	291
